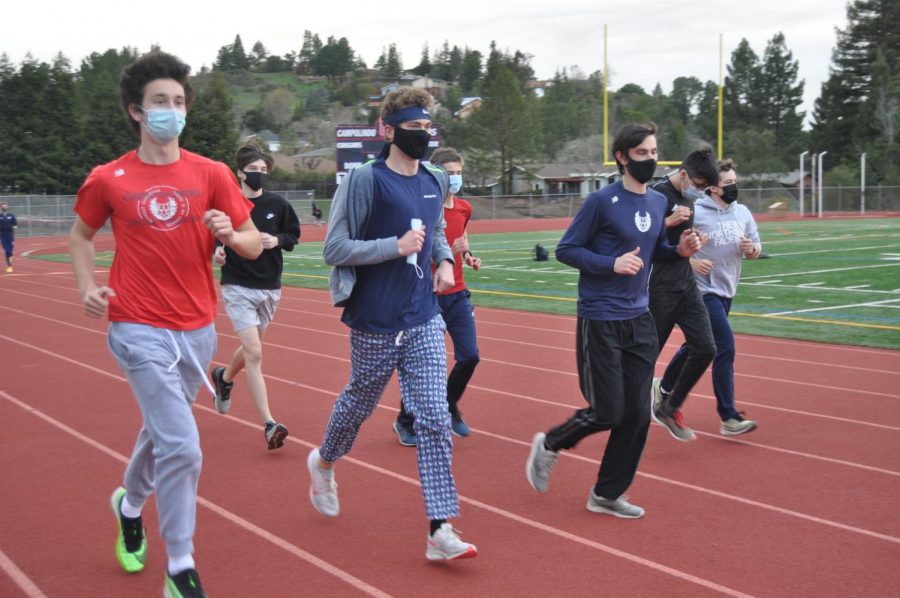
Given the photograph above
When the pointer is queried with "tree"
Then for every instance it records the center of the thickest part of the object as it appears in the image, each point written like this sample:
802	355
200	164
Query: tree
311	47
778	84
232	57
211	129
469	70
855	101
389	62
743	95
257	55
424	67
686	95
39	129
335	60
278	106
506	124
105	133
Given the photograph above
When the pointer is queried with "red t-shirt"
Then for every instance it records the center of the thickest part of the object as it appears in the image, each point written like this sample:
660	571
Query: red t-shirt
457	219
162	269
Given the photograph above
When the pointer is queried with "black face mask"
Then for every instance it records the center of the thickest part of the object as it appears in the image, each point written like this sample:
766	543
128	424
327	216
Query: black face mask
642	171
730	193
412	142
255	180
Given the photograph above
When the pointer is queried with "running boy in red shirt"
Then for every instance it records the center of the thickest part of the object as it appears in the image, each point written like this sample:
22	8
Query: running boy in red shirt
167	207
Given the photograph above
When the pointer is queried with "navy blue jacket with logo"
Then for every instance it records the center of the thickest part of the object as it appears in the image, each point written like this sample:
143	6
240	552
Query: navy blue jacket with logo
611	222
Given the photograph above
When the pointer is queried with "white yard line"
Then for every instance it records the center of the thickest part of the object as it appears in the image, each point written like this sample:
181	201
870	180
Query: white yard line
848	306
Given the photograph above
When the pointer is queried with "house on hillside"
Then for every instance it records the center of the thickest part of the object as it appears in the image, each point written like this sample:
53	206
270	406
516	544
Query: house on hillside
266	138
557	179
436	87
790	180
537	87
467	107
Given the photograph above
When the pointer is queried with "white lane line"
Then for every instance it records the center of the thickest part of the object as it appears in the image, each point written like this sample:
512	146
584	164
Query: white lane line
761	277
19	578
701	489
225	513
350	579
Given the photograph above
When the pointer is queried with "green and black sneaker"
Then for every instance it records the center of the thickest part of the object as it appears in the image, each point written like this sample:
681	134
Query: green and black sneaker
131	545
184	585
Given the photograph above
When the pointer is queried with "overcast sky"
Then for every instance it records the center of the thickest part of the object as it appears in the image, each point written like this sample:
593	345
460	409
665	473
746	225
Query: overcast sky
650	41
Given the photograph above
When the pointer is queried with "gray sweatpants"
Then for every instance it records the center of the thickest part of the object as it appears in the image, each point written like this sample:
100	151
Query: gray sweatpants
165	370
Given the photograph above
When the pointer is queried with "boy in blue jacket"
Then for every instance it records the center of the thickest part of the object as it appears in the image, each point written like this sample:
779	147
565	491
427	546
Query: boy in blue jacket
617	231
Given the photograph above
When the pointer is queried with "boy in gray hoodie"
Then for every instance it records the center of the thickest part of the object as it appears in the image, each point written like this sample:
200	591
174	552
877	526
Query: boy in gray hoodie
717	268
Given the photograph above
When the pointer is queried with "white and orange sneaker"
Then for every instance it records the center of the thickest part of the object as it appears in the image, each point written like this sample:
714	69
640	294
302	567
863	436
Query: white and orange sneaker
445	545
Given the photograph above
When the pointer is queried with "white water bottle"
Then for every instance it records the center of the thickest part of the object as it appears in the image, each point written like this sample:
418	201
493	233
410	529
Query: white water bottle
414	224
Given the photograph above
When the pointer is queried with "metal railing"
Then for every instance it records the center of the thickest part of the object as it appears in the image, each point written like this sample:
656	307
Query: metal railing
41	215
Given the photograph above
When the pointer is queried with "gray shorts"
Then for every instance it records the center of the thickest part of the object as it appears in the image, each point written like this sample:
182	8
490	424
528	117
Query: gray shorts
250	307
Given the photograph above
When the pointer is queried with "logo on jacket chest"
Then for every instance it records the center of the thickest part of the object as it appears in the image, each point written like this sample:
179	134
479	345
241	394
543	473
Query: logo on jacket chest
163	208
642	222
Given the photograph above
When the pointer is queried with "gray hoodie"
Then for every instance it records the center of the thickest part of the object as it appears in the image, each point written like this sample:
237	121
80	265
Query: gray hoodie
347	221
725	228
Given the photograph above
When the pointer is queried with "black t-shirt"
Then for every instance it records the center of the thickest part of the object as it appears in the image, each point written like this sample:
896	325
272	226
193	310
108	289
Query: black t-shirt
271	214
677	275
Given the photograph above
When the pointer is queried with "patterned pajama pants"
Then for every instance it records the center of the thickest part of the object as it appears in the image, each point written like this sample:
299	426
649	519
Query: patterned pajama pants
420	358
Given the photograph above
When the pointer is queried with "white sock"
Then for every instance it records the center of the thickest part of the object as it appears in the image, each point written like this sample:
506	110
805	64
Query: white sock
181	563
128	510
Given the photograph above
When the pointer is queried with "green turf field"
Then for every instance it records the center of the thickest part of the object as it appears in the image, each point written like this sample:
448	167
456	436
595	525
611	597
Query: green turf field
830	281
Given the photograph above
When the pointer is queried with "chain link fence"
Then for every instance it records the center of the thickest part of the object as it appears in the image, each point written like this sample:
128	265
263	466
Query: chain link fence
41	215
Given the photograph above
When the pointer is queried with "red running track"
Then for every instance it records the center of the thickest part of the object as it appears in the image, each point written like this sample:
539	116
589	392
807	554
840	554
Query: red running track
804	506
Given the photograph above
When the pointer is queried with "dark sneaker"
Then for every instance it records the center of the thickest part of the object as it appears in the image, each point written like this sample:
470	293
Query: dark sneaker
184	585
406	436
619	507
458	426
737	425
275	435
223	390
540	464
657	397
131	544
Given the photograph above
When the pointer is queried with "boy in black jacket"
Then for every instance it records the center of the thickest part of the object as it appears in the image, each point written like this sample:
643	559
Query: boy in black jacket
252	288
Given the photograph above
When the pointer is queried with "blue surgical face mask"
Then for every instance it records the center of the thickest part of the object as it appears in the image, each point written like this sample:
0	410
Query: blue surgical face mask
455	183
164	124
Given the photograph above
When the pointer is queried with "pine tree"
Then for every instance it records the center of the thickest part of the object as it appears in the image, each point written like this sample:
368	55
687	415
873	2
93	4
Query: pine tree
469	70
778	84
211	129
424	66
506	125
851	111
105	133
743	96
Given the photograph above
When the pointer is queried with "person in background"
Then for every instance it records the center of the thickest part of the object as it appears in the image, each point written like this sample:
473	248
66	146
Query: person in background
251	289
8	226
456	309
733	236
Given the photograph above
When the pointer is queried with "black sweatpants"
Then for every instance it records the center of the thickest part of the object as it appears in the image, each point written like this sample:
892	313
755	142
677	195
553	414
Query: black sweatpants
615	370
685	308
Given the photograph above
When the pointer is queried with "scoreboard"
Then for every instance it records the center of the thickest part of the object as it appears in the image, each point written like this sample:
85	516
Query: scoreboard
357	144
